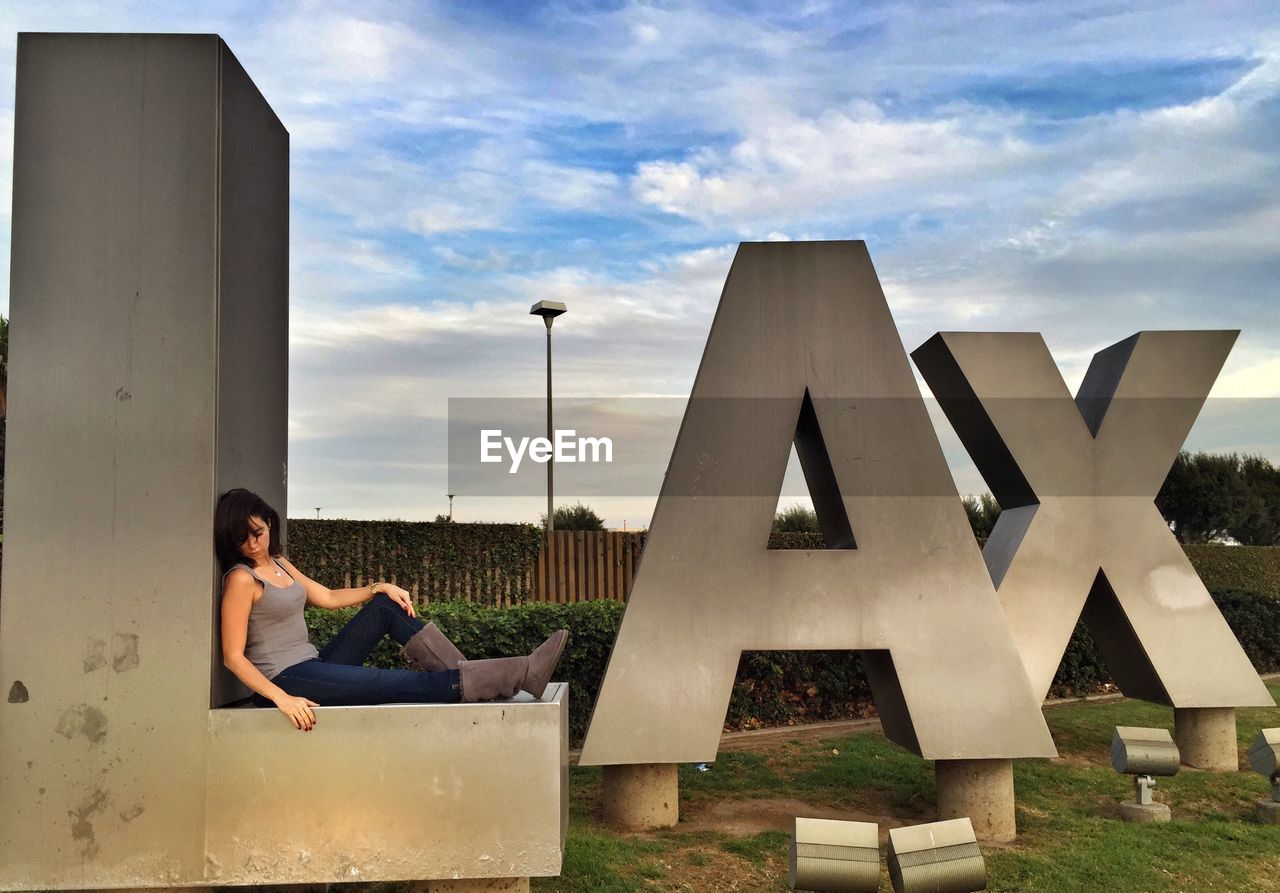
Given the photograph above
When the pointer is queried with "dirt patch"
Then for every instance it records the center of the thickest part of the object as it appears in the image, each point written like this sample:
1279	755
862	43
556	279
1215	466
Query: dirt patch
1076	761
704	869
1265	875
746	817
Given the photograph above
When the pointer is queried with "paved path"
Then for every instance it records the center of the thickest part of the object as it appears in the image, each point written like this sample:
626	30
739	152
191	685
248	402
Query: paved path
752	738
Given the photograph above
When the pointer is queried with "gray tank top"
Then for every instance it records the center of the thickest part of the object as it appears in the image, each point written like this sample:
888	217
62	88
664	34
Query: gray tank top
277	628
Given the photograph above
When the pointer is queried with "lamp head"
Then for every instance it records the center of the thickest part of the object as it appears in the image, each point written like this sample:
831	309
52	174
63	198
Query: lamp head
1264	757
548	310
843	857
1136	751
941	857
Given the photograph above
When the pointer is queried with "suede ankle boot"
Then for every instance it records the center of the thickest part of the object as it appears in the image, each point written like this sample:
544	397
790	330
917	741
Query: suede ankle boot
488	680
543	661
431	651
505	677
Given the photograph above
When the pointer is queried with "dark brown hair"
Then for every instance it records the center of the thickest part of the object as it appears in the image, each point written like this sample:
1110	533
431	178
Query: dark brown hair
231	525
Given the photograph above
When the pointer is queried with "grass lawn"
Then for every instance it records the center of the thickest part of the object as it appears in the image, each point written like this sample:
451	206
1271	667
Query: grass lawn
734	830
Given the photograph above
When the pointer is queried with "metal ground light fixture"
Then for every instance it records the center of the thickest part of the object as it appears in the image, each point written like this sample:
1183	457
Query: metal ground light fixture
1264	757
829	856
940	857
1144	753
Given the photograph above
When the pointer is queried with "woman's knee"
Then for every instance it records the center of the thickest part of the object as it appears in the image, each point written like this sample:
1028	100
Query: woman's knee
382	600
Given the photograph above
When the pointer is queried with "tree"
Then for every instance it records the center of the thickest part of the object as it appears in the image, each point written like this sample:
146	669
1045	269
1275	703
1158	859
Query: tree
1204	496
796	519
575	517
982	511
1257	523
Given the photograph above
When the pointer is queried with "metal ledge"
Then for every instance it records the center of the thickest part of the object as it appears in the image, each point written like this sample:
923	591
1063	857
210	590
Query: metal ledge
389	793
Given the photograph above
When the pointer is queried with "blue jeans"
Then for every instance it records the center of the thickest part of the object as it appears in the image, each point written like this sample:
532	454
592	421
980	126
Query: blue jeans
337	677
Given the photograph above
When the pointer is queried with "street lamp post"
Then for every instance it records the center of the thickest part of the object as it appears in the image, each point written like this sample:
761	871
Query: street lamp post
549	310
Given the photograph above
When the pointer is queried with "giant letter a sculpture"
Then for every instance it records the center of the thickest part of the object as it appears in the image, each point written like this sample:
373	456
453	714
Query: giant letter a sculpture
803	348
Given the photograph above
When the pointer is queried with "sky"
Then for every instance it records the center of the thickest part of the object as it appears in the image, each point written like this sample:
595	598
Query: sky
1085	170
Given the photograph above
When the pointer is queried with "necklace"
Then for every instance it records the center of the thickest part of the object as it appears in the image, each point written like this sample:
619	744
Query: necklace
277	569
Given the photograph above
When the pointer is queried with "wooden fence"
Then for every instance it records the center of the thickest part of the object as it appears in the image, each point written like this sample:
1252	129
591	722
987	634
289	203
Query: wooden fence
506	564
587	565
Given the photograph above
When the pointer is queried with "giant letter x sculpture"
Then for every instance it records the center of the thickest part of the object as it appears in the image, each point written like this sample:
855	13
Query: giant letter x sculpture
1080	530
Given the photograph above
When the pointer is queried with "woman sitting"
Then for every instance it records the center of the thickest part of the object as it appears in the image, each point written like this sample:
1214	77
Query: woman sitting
265	643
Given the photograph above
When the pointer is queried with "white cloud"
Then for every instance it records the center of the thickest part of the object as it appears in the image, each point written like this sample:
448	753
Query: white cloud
363	49
788	169
1258	379
646	33
493	260
564	187
446	217
609	320
371	257
325	268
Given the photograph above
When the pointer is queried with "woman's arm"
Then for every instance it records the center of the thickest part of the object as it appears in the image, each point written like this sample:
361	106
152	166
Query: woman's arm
237	602
333	599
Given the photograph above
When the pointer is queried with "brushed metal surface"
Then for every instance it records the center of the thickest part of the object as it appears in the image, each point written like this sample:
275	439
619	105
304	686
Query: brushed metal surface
795	319
1264	753
397	792
1139	751
253	314
941	857
149	362
112	448
829	856
1081	537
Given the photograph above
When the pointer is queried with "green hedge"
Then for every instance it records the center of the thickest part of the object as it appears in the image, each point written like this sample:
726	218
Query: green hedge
1255	620
1222	568
493	564
772	687
1238	568
796	539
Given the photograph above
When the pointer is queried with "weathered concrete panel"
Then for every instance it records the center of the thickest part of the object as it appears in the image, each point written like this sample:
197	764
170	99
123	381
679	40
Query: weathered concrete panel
106	610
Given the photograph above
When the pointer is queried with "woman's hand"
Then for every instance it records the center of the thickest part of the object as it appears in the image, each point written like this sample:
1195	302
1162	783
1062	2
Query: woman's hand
299	711
399	596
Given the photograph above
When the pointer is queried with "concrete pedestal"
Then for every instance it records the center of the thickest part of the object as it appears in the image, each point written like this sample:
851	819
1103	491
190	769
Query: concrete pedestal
981	790
1269	812
1206	737
641	797
1144	812
486	885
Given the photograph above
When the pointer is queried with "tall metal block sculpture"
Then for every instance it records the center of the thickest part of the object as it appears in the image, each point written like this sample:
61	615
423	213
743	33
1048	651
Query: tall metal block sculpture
149	373
803	349
149	312
1080	536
